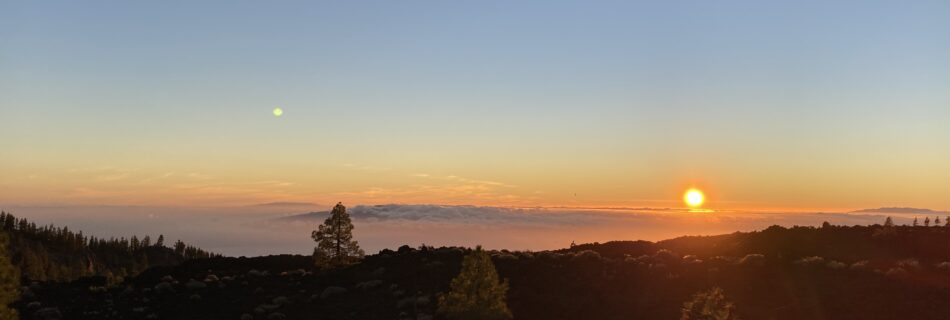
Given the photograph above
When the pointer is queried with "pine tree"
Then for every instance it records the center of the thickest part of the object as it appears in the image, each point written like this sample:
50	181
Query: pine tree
335	244
915	222
947	222
927	222
709	305
937	222
476	293
161	241
180	247
9	281
888	223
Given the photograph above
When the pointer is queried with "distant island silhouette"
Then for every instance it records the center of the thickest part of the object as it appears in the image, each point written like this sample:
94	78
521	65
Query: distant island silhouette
901	210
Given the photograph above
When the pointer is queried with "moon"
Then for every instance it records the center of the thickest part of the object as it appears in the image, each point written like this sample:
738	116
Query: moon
278	112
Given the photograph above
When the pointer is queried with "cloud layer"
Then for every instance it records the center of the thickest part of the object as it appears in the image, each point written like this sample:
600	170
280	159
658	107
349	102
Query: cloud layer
274	229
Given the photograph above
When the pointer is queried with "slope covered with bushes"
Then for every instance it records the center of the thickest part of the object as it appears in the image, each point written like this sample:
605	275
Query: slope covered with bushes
867	272
50	253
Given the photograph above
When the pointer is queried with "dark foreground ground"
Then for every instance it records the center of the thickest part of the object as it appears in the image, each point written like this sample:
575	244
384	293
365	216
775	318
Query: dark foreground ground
800	273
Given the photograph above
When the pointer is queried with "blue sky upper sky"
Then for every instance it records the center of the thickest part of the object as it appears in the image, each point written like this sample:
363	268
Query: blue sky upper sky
764	104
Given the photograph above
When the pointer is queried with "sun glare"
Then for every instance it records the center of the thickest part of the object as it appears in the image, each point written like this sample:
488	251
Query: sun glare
694	198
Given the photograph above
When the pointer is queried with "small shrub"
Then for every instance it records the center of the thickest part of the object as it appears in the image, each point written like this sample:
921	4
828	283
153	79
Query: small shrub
810	261
909	264
753	260
709	305
860	265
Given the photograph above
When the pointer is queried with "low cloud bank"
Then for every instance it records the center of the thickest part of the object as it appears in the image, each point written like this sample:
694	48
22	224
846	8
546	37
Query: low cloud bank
465	215
486	215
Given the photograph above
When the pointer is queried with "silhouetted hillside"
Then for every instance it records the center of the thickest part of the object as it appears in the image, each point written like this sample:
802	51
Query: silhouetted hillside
843	243
859	272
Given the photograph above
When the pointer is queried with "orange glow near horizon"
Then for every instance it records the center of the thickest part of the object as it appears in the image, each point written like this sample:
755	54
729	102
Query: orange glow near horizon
220	181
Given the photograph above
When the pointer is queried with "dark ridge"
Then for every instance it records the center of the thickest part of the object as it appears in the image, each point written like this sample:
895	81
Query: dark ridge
832	272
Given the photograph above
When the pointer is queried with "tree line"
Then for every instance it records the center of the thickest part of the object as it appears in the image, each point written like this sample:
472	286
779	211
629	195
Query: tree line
51	253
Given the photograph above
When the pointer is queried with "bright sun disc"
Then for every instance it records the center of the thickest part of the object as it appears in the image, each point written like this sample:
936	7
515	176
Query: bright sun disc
278	111
694	198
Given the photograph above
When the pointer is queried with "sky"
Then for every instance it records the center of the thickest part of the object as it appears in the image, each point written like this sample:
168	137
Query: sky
764	105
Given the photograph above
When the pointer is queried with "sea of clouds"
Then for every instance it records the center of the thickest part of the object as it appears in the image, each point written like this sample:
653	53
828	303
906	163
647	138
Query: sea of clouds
285	228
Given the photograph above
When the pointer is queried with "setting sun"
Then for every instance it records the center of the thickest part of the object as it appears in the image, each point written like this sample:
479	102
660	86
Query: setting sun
694	198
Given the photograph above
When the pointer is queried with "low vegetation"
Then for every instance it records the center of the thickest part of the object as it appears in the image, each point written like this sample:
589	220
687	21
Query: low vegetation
9	281
709	305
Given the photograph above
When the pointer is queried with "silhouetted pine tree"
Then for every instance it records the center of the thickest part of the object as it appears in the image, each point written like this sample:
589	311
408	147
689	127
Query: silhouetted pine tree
887	230
709	305
476	293
9	281
335	244
161	241
915	222
927	222
179	247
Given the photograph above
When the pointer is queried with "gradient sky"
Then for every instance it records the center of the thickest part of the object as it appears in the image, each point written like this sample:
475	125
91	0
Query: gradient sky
762	104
